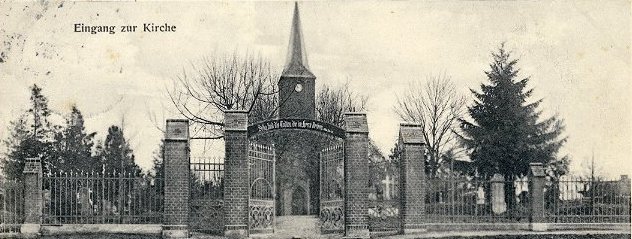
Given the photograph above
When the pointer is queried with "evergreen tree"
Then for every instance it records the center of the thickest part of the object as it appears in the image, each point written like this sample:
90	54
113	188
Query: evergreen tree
116	154
31	136
73	146
17	147
40	112
158	169
506	133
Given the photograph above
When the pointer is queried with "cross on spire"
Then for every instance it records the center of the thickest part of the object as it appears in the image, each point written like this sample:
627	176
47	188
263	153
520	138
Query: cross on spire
296	64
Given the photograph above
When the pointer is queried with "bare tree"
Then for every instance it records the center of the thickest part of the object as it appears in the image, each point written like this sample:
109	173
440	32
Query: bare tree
332	103
437	107
220	83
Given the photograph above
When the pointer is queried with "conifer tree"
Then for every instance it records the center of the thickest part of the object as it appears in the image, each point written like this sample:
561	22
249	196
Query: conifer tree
158	169
31	136
73	145
506	131
116	153
17	150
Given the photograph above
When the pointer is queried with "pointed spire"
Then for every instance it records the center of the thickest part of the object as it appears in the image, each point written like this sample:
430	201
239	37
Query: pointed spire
296	64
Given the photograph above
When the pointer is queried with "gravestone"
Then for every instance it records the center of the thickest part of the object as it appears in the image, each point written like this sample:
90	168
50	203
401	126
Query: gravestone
498	194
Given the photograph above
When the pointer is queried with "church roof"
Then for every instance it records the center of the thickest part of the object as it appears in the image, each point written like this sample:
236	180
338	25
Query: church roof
296	64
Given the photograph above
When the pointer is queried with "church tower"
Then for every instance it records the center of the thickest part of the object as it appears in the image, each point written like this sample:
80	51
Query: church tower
297	84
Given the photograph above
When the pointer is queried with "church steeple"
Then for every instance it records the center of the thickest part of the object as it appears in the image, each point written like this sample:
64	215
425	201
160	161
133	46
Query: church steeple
296	64
297	85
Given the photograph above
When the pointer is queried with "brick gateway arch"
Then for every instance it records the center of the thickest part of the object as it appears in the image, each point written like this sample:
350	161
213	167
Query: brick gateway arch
249	183
249	178
340	211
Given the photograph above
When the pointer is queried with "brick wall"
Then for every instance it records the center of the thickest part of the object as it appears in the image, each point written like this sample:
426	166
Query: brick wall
412	178
236	174
176	164
536	188
176	206
32	191
356	175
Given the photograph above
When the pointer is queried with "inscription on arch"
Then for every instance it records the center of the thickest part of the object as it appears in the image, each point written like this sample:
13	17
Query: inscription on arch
305	124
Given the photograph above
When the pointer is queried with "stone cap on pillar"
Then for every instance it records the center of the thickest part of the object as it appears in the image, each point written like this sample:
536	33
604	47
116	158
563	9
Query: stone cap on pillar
177	129
410	133
355	122
537	169
235	120
33	165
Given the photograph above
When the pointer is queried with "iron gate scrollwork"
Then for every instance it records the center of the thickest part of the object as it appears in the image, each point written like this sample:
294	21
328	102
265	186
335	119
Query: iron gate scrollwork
262	188
332	189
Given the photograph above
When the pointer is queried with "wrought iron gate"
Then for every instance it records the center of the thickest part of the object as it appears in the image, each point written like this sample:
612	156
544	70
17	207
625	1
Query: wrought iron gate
262	188
332	189
206	202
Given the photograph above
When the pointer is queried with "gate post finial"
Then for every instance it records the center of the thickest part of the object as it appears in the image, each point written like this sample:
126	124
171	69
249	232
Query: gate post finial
235	120
355	122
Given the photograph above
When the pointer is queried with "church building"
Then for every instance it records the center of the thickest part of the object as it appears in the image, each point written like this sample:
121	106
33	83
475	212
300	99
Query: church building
297	83
297	168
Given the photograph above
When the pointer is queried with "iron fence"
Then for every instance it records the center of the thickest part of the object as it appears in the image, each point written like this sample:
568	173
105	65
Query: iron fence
587	200
262	179
93	198
384	201
12	199
384	216
466	200
332	189
262	210
206	213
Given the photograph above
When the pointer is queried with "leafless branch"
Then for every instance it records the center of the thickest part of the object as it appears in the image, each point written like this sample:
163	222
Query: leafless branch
205	90
437	107
332	103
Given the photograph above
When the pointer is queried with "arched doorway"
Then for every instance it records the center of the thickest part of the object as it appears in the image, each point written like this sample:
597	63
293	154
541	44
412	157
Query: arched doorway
299	201
296	199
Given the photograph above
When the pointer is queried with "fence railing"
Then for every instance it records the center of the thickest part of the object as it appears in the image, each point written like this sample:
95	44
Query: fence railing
207	177
206	212
587	200
91	198
463	200
384	216
12	199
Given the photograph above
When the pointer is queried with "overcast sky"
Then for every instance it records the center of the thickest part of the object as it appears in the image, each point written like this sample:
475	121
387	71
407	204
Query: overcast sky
577	54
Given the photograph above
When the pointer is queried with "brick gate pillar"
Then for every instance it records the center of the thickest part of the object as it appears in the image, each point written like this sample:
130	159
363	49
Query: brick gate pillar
536	189
236	173
176	181
32	197
412	178
356	175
